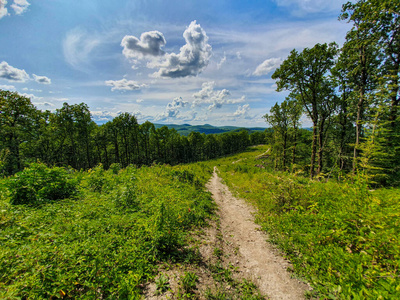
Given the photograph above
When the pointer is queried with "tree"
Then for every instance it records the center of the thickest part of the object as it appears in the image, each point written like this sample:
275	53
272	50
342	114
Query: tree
305	75
16	118
359	58
145	130
278	118
376	32
284	119
73	127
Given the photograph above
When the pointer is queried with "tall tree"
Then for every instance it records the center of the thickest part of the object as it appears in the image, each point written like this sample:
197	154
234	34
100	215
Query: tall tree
305	74
279	120
376	35
359	58
16	119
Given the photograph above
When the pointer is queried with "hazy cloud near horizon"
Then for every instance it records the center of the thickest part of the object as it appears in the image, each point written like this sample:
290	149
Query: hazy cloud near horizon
124	84
172	110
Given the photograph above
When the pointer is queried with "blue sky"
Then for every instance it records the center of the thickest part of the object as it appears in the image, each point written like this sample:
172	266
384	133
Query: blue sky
169	61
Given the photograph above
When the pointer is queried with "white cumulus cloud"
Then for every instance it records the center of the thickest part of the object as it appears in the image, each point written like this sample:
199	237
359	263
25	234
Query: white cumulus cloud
12	74
172	110
149	44
267	66
124	84
242	111
3	9
32	97
20	6
207	95
41	79
192	59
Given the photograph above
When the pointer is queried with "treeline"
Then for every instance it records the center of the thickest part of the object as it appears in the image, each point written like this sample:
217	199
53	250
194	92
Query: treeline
351	96
69	137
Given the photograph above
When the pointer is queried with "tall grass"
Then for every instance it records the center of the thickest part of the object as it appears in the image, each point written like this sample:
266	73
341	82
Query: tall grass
341	237
106	241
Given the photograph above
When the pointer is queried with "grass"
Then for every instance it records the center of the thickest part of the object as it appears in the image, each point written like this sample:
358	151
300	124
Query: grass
340	236
107	240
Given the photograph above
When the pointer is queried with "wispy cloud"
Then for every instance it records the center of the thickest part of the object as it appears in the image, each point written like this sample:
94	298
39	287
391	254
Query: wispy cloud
222	61
7	87
303	7
124	84
77	47
267	66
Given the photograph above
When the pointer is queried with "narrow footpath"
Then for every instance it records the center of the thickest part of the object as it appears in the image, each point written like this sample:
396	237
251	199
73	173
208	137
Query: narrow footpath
258	260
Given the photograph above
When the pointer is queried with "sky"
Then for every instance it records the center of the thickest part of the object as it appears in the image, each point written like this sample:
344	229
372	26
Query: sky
170	62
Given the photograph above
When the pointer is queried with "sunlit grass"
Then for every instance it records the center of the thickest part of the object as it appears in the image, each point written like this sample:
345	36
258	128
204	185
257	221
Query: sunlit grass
340	236
107	241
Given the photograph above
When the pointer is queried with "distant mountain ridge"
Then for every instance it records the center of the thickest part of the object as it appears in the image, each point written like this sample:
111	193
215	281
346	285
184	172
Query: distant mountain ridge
186	129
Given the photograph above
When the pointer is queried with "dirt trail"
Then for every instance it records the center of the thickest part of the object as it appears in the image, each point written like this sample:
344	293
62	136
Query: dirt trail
259	261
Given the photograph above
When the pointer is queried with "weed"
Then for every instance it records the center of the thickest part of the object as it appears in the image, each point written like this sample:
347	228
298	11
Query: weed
217	252
162	284
189	281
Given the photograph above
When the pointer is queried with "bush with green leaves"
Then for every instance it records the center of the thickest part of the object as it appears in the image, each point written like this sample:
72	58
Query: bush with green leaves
39	184
103	244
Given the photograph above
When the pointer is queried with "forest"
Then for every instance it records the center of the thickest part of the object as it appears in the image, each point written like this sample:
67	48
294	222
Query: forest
69	137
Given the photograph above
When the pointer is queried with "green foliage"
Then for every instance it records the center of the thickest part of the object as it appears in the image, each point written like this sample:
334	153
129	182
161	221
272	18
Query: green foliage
115	168
189	281
340	236
4	153
100	244
39	184
162	284
95	179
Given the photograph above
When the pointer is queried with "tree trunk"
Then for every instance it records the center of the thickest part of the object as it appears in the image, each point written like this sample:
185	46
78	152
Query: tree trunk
360	106
284	150
313	151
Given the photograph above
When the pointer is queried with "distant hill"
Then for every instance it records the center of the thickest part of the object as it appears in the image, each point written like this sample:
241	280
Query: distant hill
186	129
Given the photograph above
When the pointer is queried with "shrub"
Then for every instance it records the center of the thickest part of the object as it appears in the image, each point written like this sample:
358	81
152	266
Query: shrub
95	179
38	184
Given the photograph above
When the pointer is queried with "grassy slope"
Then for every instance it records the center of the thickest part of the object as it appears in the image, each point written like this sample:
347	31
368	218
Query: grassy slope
107	241
341	237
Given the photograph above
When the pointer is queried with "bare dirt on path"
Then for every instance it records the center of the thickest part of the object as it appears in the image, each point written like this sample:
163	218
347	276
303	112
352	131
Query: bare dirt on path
257	259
